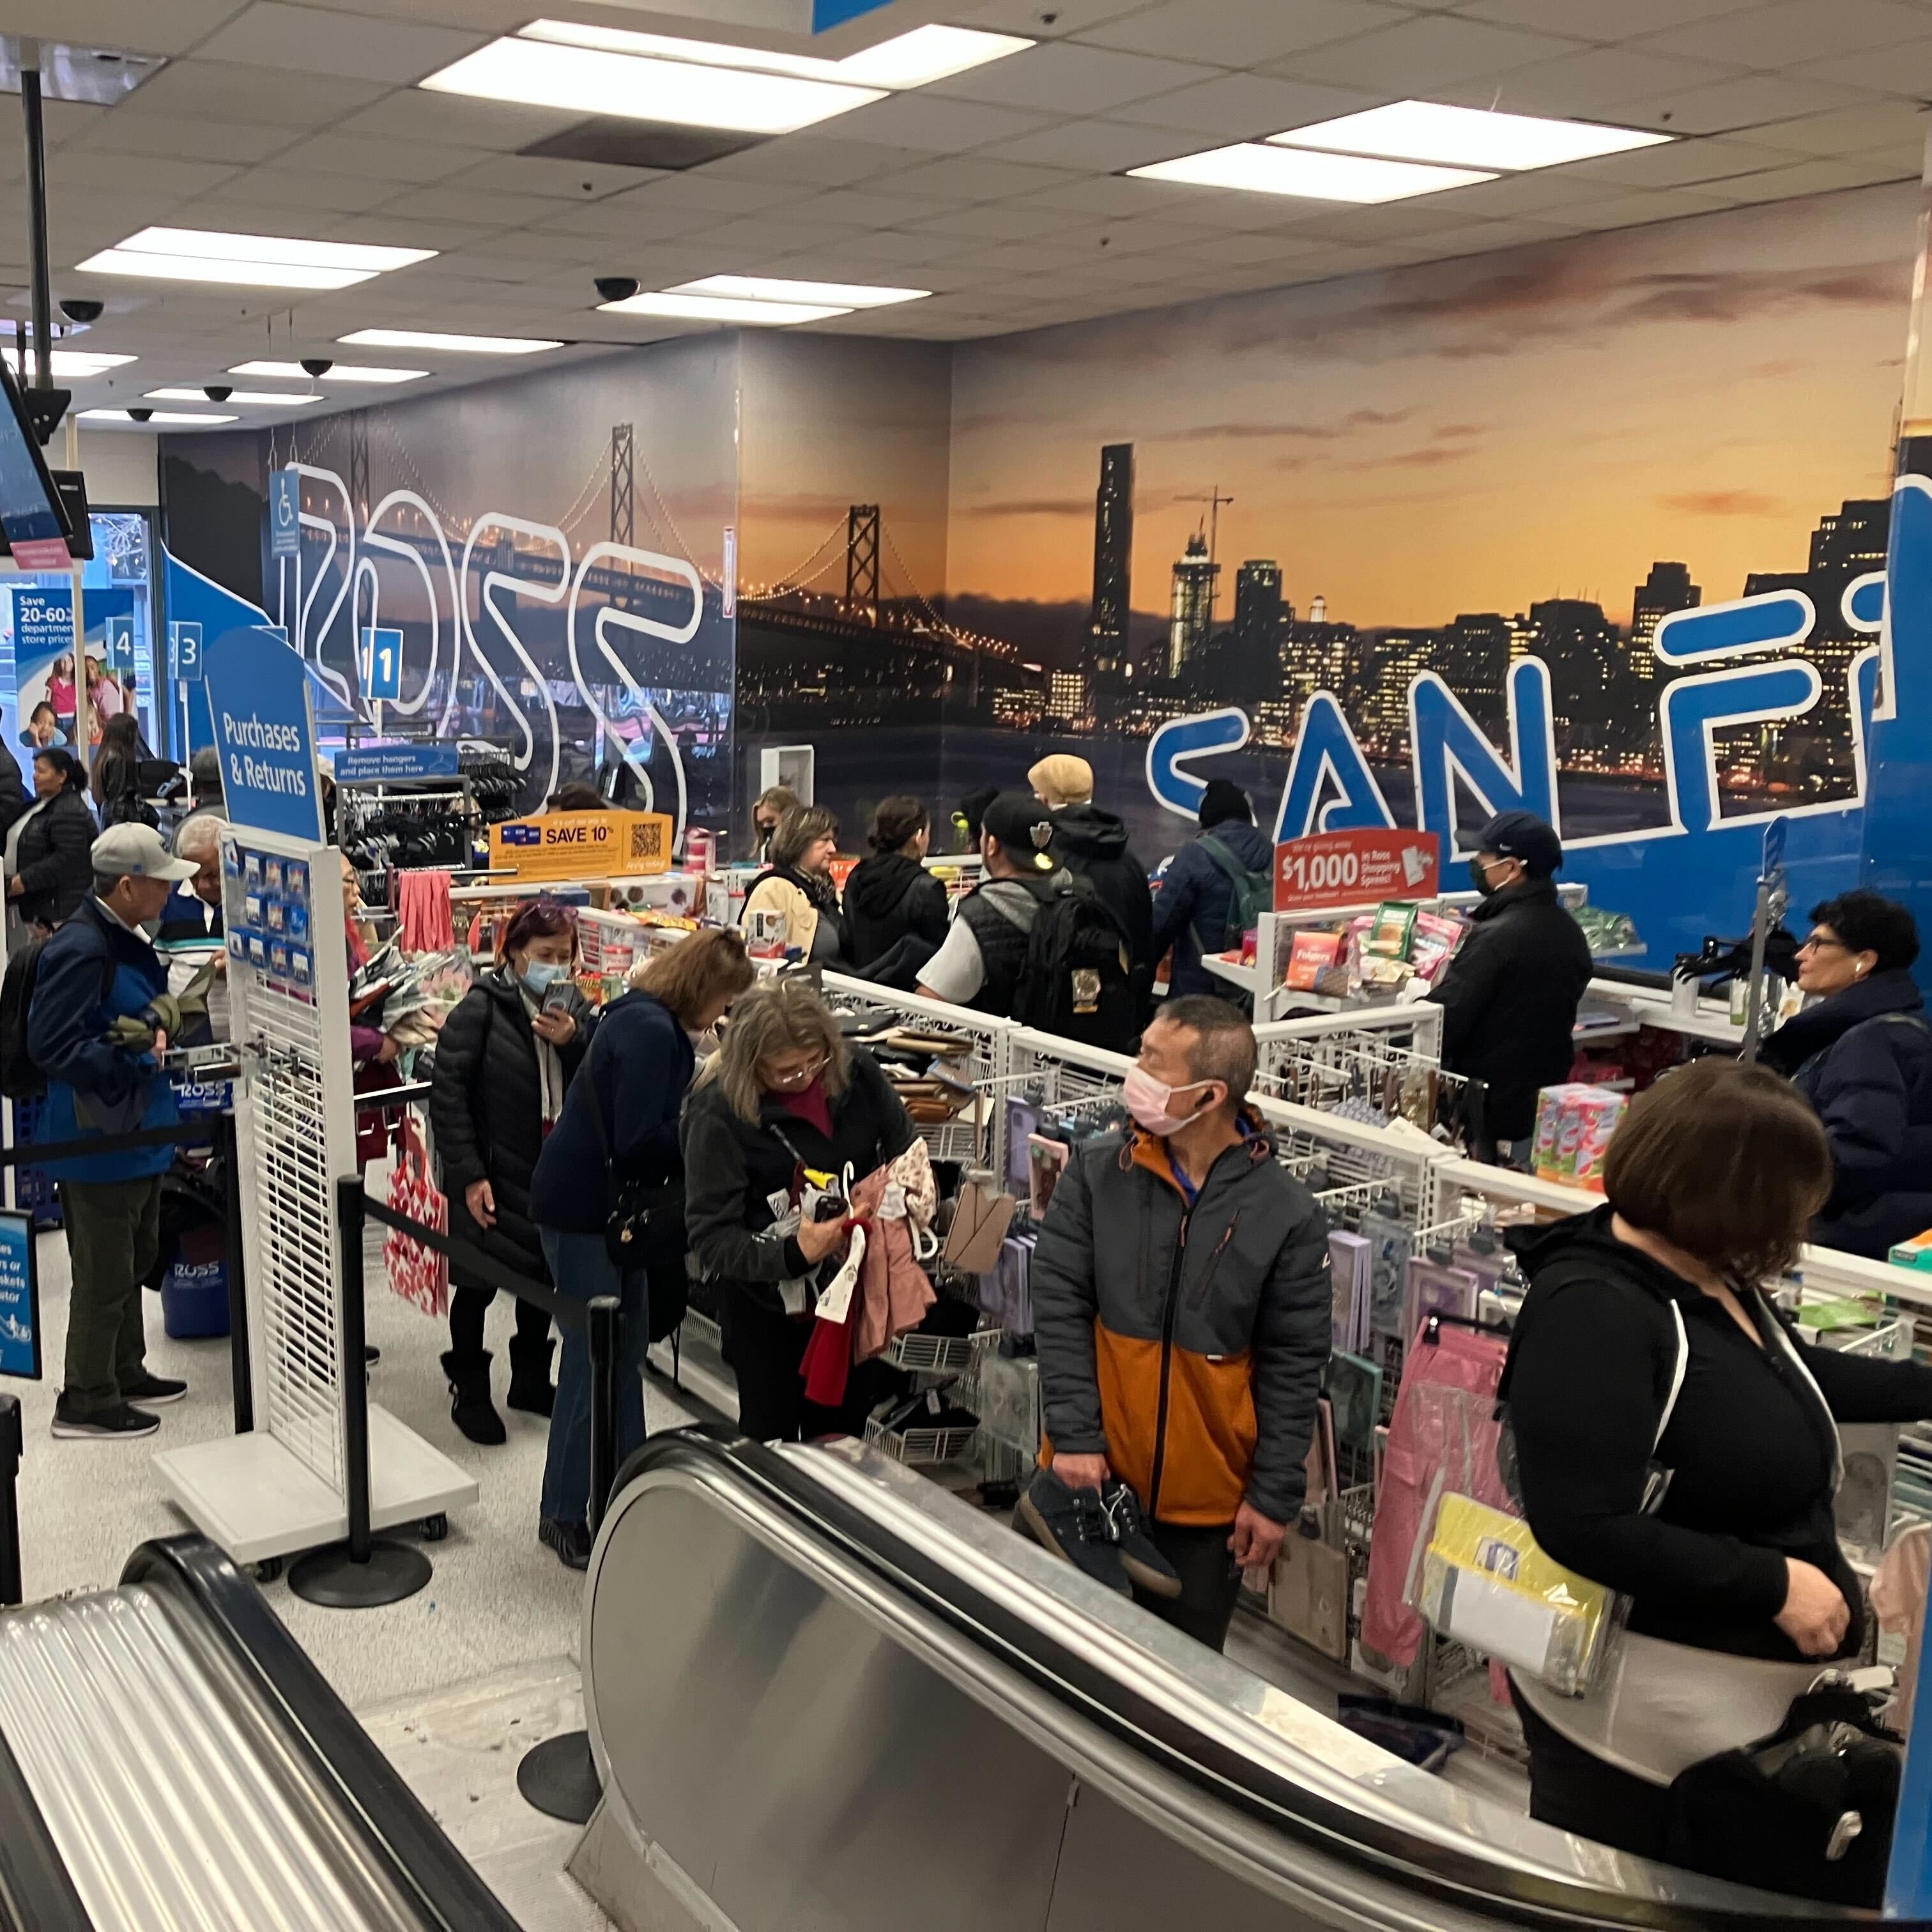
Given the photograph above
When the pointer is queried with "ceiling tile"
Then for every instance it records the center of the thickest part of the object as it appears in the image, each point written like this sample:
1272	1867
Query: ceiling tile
1778	36
500	17
378	227
860	208
1598	83
194	89
1631	210
370	155
888	246
561	181
996	221
1674	165
1068	77
1847	131
83	168
474	205
1117	195
1238	33
624	220
811	162
312	40
189	139
1747	102
715	195
923	121
778	230
1812	177
1906	70
1395	220
1104	146
410	114
1238	106
1417	56
968	177
1592	20
139	26
281	188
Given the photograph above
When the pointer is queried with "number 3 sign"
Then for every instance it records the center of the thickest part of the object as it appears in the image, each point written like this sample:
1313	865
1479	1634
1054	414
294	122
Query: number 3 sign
1358	868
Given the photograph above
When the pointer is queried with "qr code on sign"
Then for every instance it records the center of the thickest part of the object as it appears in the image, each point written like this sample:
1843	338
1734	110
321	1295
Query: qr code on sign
647	839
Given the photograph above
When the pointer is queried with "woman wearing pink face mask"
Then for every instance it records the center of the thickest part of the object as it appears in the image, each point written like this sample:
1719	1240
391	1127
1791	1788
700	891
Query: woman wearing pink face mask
1181	1309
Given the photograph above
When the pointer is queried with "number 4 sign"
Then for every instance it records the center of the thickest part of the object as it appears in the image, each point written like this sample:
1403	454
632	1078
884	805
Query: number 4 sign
1359	868
382	664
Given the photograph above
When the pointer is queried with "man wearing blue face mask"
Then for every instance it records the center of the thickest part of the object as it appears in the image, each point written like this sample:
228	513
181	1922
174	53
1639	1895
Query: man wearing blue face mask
1509	997
503	1061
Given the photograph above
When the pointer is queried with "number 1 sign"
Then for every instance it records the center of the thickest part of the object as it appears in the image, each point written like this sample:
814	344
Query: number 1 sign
1359	868
382	664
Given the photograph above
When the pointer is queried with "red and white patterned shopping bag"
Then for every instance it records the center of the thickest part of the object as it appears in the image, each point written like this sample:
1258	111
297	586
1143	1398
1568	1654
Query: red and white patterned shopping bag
418	1274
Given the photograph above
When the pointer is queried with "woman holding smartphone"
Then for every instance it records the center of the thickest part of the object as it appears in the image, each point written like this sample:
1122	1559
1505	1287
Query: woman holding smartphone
504	1060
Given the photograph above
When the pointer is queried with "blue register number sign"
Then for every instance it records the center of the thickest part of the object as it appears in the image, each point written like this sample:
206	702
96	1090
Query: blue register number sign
20	1299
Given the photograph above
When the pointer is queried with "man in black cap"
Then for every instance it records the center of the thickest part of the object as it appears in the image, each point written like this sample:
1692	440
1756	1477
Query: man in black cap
980	965
1509	999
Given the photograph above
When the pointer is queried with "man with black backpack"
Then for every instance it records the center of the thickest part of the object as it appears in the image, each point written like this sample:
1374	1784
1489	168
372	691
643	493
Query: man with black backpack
1216	888
1034	944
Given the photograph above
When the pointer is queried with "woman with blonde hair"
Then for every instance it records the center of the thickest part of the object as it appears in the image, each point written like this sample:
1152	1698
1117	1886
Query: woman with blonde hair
786	1095
798	884
618	1133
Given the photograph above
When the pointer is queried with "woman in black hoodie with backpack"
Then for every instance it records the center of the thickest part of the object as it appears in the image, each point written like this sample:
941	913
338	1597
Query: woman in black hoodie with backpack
895	908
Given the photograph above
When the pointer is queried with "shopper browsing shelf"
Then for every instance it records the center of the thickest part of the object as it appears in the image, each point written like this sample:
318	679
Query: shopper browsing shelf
616	1143
896	912
1205	885
1182	1310
1862	1056
1509	997
98	968
785	1096
798	884
1647	1354
504	1060
49	872
770	806
1093	844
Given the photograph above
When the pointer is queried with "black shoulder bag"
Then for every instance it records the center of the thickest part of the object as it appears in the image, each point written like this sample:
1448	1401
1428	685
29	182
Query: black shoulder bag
644	1229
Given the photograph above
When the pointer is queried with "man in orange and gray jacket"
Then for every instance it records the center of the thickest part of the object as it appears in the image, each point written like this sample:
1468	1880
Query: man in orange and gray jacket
1182	1310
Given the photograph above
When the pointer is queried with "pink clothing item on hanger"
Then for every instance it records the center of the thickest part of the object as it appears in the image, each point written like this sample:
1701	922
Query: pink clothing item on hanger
423	920
1443	1436
1898	1600
894	1292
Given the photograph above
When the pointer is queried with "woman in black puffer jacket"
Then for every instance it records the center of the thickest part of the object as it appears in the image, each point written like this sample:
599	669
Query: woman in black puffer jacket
52	870
503	1061
895	908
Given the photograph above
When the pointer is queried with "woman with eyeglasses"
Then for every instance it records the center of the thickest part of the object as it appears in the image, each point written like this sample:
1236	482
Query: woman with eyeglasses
787	1099
1862	1056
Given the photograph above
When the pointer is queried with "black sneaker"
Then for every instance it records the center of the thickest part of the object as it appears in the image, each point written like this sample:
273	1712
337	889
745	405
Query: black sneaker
119	1424
1071	1524
571	1540
1140	1555
155	1390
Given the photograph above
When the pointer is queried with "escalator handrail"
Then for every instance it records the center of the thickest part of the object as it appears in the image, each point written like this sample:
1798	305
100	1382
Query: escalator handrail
393	1823
36	1891
1401	1856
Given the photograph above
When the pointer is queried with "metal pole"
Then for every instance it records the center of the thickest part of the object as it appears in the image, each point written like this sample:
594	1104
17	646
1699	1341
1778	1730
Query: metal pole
606	1317
37	217
352	1368
241	1373
10	1448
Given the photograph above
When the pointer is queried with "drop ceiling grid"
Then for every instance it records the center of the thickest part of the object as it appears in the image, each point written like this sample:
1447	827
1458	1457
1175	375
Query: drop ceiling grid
999	189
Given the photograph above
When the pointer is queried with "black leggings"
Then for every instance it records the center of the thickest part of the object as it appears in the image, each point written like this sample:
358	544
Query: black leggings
467	1307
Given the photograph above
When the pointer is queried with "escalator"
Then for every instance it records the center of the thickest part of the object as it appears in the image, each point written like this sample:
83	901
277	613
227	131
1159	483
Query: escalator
171	1761
826	1696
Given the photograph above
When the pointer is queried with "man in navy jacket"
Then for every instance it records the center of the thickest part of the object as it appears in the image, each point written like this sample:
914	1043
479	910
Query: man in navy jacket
1192	904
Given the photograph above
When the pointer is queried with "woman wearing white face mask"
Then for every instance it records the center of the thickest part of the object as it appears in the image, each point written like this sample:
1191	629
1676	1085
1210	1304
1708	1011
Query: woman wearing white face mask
504	1059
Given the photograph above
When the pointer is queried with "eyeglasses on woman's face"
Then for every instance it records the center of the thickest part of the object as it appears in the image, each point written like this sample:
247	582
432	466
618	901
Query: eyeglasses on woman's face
790	1073
1821	942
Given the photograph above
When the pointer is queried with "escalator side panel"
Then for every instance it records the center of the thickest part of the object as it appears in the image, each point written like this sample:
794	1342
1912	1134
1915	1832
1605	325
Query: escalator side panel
705	1690
36	1894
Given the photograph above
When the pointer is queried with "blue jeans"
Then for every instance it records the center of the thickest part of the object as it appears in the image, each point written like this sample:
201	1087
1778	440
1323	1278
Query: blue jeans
582	1268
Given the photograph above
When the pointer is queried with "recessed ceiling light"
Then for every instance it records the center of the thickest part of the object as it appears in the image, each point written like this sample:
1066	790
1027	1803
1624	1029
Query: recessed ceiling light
913	59
1263	170
263	261
261	396
714	308
582	80
771	288
158	416
75	364
1426	131
343	372
425	338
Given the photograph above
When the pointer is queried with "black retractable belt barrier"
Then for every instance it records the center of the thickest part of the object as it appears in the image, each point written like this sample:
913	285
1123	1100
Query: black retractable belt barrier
11	1445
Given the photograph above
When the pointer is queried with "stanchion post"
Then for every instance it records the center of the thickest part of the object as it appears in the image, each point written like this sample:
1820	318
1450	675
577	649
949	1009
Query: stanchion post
241	1375
605	1319
11	1444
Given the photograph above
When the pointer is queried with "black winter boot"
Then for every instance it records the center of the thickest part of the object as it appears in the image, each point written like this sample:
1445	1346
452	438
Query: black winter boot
471	1410
530	1387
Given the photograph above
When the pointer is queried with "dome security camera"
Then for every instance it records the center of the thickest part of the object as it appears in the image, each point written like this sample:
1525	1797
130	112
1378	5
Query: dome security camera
82	309
317	366
617	288
217	392
139	415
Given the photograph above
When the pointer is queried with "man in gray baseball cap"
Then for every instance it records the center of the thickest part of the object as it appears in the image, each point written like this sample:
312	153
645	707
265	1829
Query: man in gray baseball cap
98	968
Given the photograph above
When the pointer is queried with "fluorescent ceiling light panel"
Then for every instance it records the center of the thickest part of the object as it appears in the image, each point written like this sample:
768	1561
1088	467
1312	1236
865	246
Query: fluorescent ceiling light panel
913	59
261	396
680	307
76	364
1426	131
159	416
773	288
263	261
462	345
343	372
1260	169
582	80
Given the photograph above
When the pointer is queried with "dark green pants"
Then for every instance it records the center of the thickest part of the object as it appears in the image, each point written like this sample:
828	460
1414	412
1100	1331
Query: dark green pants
113	1234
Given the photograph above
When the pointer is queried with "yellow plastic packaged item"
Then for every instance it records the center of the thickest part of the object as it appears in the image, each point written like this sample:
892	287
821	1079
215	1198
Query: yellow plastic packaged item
1485	1583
